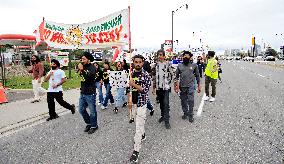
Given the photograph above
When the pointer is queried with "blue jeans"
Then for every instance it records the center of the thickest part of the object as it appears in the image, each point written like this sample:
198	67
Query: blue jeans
149	105
88	101
108	95
120	97
99	87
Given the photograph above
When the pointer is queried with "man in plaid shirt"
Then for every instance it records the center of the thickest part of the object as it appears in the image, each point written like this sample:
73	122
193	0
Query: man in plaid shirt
140	84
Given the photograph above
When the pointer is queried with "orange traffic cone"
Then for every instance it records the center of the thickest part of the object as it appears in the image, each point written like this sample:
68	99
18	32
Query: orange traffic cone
3	98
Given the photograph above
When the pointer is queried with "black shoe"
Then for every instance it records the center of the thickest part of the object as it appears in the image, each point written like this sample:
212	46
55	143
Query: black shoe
48	119
143	137
124	105
73	109
184	117
168	126
88	127
161	119
92	130
51	118
134	157
152	112
191	119
115	110
131	120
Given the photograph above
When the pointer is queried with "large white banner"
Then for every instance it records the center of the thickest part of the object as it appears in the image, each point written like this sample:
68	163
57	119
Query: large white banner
112	30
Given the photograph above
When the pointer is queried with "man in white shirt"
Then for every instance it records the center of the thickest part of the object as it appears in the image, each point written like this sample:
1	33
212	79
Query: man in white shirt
56	78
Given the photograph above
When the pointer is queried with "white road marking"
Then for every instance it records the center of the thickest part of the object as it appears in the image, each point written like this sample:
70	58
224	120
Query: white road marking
260	75
199	111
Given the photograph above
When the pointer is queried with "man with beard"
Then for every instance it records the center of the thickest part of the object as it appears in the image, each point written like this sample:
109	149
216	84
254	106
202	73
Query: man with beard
37	71
56	78
87	72
140	84
184	84
162	79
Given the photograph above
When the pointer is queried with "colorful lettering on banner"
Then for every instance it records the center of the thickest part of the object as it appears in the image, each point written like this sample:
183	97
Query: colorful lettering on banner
112	30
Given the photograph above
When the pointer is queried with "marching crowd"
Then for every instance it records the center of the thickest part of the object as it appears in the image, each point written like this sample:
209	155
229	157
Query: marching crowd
161	76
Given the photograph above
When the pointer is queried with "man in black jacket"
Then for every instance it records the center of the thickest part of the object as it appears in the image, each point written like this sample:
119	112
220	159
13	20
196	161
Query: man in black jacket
87	72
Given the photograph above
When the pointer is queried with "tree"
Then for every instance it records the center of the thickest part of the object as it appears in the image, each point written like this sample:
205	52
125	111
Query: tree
270	52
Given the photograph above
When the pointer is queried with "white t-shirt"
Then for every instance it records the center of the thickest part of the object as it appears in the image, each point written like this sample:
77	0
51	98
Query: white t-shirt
56	78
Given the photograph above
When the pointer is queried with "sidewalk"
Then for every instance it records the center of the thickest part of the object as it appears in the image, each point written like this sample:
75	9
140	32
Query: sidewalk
15	115
20	113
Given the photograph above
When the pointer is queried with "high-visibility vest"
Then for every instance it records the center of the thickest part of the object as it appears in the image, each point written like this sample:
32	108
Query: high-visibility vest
212	68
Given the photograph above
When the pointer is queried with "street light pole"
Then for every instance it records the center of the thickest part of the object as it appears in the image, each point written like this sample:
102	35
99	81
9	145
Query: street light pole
186	6
172	31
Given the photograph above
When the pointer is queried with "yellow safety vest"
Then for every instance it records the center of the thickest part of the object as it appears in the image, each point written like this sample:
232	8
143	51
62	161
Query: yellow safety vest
212	69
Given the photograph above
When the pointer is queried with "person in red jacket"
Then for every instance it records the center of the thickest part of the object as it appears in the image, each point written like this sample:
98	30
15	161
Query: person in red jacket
37	72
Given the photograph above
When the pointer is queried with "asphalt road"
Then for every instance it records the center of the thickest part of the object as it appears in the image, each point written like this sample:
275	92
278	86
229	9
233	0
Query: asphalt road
244	125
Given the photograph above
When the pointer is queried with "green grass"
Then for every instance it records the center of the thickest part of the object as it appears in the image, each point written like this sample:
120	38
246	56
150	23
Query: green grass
18	82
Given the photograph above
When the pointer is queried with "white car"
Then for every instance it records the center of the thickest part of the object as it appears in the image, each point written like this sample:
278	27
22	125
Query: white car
248	58
259	58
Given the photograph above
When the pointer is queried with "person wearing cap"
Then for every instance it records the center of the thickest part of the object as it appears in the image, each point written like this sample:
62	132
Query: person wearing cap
211	76
184	80
87	72
56	77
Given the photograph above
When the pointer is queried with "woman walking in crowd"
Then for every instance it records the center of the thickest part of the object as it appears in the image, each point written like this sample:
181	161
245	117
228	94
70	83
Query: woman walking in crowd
121	98
107	86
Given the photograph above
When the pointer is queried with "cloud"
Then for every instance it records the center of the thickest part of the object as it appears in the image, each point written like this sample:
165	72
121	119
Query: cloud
224	23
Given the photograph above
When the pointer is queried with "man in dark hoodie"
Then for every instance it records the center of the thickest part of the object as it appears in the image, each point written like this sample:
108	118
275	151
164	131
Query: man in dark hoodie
87	72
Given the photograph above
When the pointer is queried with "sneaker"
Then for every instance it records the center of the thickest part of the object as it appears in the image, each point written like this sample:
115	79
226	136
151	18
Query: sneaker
191	119
212	99
92	130
134	157
73	109
168	126
103	107
152	112
99	104
161	119
131	120
115	110
88	127
206	98
184	117
124	105
143	137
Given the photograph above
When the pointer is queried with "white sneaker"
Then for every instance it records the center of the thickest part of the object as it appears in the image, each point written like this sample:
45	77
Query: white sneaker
206	98
99	104
103	107
212	99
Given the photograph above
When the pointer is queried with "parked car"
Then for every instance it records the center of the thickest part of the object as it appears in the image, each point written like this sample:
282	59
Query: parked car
259	58
248	58
237	58
229	58
269	58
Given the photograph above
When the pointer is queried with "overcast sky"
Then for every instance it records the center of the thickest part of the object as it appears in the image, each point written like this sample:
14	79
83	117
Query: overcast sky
220	23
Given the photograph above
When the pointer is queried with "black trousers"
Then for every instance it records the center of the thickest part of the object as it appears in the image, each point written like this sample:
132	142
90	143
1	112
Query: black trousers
163	96
58	96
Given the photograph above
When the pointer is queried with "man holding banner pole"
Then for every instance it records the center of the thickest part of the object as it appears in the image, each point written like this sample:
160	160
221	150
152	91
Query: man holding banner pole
140	83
